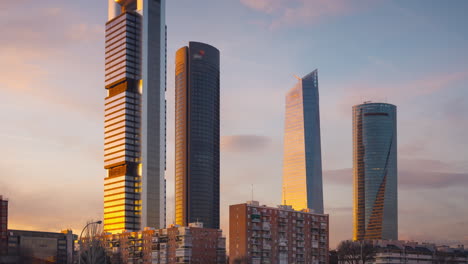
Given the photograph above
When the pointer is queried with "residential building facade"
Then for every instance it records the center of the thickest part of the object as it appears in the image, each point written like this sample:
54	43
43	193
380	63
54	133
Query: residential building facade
277	235
42	246
302	166
3	226
197	126
375	171
135	115
193	244
389	252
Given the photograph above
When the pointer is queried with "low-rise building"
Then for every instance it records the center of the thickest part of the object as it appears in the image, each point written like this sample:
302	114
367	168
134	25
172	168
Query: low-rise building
45	246
277	235
176	244
390	251
410	252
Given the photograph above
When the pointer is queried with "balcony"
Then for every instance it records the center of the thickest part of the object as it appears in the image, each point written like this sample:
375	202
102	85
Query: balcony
255	249
266	247
256	242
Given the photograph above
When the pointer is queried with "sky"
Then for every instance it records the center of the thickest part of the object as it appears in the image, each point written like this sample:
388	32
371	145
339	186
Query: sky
413	54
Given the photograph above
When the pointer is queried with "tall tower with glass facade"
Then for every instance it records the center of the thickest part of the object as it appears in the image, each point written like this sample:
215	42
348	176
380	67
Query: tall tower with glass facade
197	135
302	165
135	115
375	171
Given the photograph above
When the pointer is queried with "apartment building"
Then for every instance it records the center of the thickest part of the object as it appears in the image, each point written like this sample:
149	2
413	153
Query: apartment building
193	244
277	235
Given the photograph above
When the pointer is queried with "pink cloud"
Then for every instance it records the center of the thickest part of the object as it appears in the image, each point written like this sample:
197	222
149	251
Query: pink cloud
267	6
245	143
361	91
293	12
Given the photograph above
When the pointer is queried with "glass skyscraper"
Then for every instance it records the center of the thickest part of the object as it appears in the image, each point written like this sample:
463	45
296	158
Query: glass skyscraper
302	168
135	115
197	135
375	171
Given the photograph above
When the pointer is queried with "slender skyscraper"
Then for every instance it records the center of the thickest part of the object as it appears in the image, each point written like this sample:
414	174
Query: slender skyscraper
375	171
135	115
302	168
197	135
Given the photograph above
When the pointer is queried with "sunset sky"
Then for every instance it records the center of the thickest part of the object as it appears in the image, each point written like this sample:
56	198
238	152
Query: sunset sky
413	54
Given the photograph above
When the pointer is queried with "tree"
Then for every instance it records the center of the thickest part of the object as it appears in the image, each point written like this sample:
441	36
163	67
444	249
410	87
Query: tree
355	252
92	245
333	257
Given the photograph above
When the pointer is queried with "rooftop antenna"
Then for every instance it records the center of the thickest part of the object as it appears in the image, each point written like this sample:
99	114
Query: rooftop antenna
252	197
284	196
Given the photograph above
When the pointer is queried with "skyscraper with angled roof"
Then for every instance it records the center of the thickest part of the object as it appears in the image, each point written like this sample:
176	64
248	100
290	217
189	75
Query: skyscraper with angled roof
302	165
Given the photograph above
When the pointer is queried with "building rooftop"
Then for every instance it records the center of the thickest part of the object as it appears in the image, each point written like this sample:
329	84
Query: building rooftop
282	207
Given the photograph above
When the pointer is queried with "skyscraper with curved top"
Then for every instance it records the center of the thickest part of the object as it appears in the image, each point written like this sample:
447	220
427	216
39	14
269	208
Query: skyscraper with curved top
197	135
302	167
135	115
375	171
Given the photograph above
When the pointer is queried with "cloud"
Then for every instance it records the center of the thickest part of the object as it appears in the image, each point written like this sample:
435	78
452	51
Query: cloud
303	12
413	174
50	214
357	92
267	6
245	143
37	46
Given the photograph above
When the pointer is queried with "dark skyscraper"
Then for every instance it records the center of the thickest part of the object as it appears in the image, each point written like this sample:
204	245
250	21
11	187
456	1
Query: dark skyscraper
302	166
375	171
3	226
197	135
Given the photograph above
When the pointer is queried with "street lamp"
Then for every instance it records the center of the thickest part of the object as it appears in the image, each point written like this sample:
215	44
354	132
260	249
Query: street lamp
79	241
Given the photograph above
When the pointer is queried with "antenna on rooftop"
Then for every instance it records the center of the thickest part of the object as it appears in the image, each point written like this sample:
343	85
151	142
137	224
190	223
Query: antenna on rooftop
284	197
252	197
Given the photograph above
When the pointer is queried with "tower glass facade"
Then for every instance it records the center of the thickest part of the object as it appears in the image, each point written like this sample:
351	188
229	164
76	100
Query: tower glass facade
375	171
134	134
197	135
302	168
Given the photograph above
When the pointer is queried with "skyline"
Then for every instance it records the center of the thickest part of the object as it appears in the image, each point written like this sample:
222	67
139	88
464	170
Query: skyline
38	149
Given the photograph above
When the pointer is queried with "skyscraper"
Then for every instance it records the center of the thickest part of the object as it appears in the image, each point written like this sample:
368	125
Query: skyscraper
375	171
197	135
302	167
135	107
3	226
